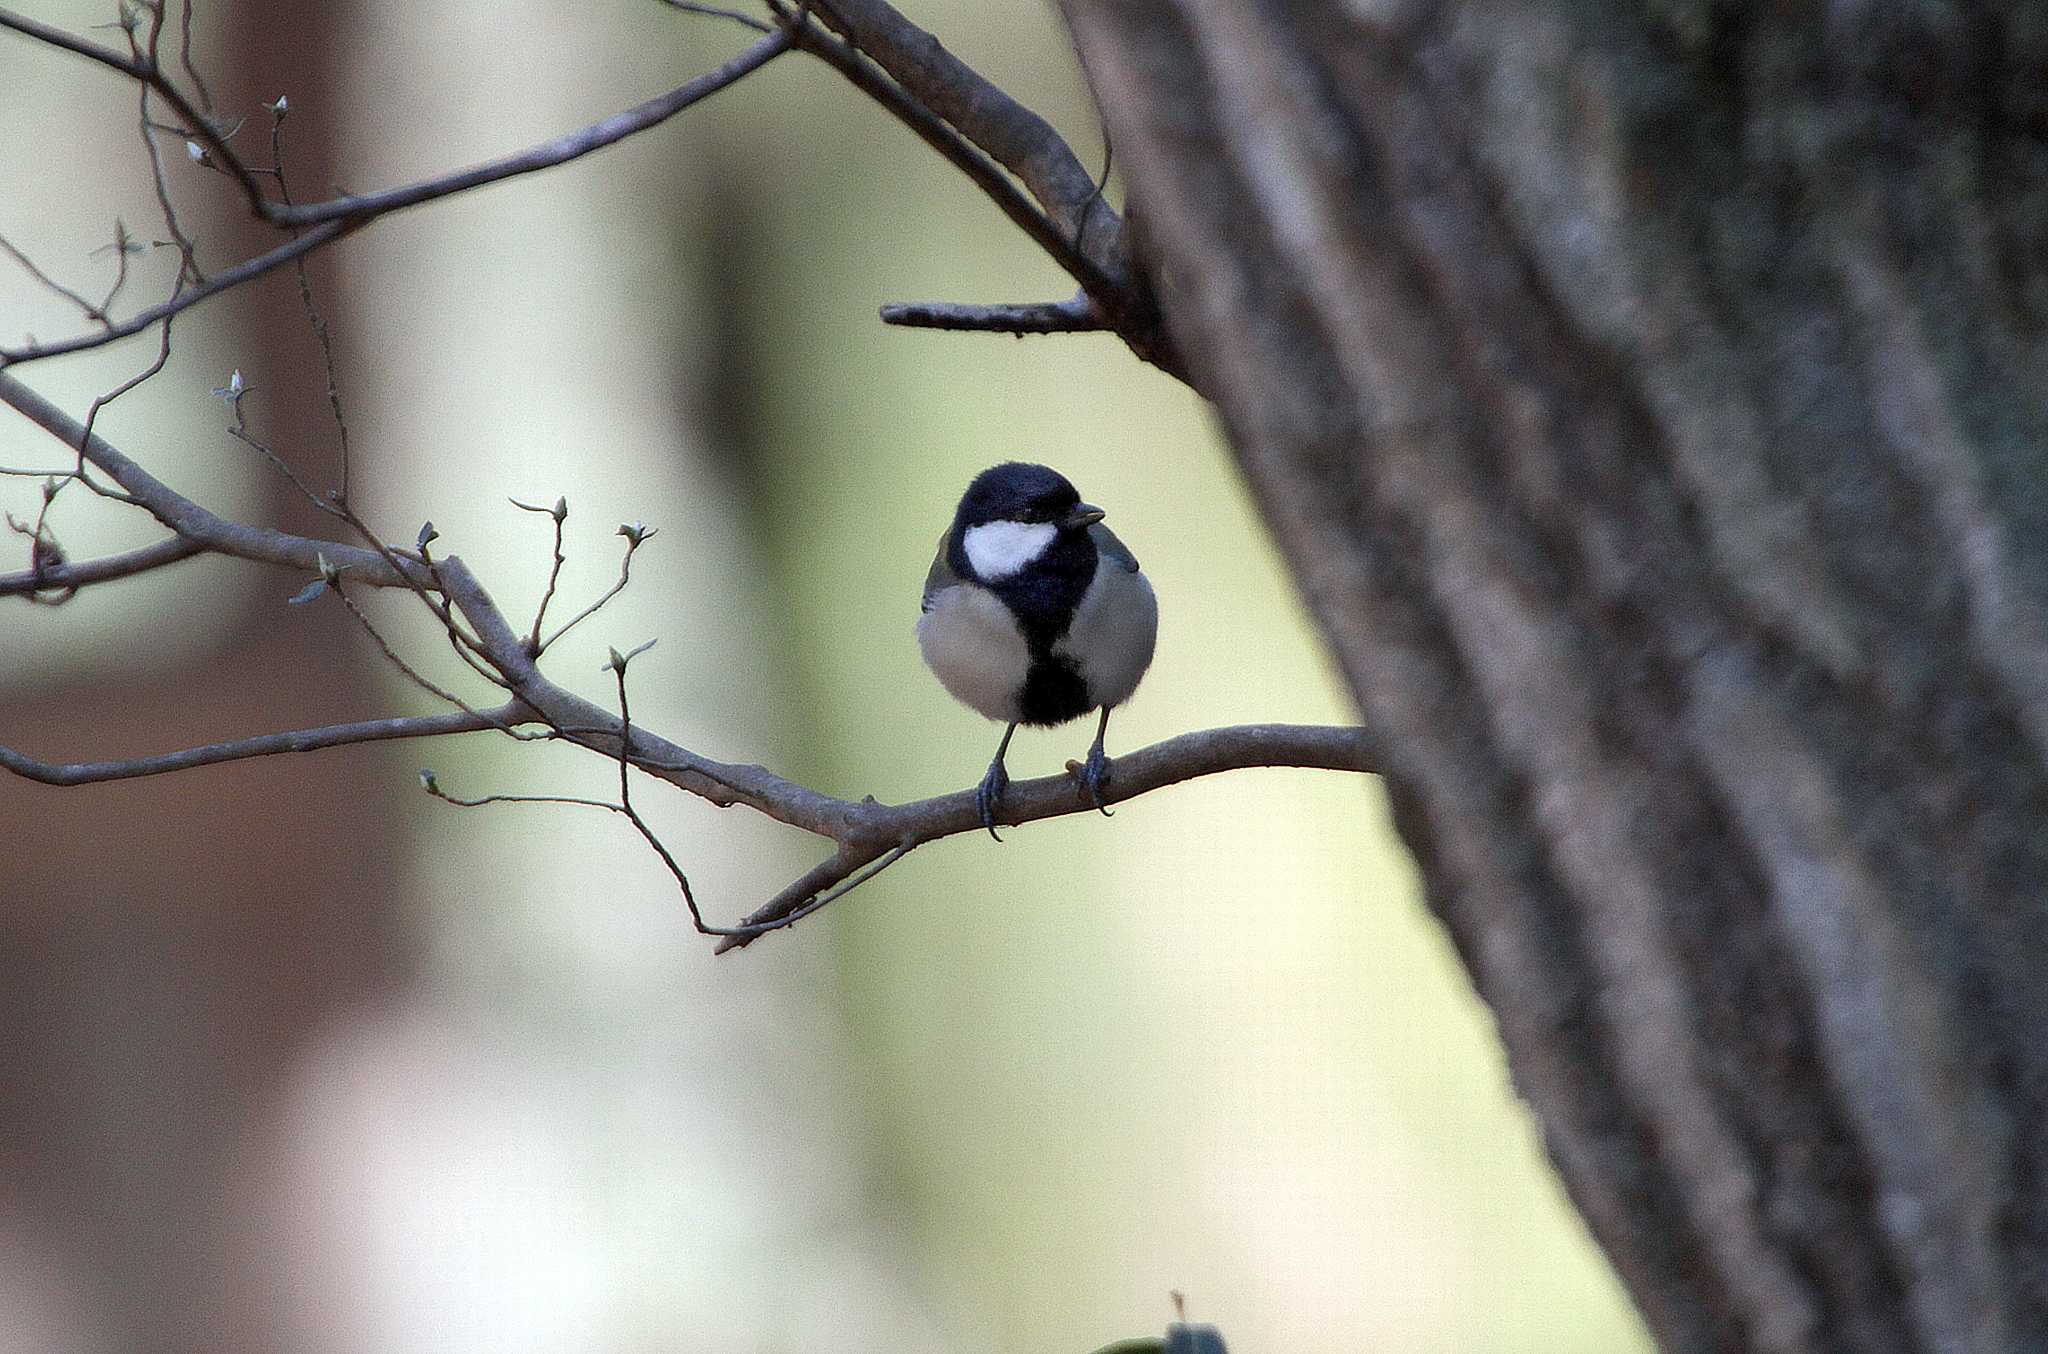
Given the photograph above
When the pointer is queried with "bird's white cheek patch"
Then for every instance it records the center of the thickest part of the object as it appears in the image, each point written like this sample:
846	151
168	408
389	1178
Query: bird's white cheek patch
999	549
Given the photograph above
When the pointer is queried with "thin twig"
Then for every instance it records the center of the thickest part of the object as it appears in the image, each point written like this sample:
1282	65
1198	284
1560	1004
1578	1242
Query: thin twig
97	314
314	318
560	150
329	220
391	656
185	57
633	816
714	12
92	413
746	931
123	247
559	513
186	299
432	785
467	646
634	537
193	522
334	505
146	72
267	745
188	250
239	430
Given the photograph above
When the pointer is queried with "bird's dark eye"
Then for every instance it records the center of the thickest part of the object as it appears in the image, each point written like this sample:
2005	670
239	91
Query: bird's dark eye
1049	507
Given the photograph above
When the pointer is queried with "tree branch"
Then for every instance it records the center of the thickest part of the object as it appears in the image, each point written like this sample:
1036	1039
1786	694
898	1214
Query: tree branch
196	524
989	136
1108	286
874	830
1076	315
72	577
1012	135
332	219
147	73
547	154
267	745
246	271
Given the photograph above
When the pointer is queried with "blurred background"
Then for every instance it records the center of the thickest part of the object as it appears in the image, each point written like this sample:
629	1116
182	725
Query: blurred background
295	1057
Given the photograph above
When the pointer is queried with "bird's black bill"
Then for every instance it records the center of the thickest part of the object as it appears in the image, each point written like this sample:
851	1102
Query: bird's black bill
1082	515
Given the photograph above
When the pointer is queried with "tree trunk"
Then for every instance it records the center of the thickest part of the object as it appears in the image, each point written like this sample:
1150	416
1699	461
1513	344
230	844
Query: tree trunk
1650	401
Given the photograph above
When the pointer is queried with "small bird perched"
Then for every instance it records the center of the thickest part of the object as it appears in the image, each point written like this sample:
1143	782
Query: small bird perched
1035	613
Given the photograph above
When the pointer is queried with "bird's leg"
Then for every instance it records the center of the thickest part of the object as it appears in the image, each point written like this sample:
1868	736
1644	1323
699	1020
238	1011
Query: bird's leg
1097	766
993	784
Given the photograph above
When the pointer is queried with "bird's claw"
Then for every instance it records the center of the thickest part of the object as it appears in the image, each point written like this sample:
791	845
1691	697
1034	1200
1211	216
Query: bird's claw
1092	773
989	795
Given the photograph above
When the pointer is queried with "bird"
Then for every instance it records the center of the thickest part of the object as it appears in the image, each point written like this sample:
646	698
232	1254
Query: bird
1035	613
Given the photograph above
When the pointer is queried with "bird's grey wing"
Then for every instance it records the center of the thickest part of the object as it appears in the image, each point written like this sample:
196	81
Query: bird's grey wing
1106	542
941	575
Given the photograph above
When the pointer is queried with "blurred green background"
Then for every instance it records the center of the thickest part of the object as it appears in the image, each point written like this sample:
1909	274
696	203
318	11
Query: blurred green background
1004	1098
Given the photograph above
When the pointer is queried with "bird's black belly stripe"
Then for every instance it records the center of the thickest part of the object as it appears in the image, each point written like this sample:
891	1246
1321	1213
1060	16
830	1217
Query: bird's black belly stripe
1053	692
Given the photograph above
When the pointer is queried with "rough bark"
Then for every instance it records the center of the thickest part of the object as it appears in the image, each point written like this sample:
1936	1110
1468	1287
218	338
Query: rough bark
1650	400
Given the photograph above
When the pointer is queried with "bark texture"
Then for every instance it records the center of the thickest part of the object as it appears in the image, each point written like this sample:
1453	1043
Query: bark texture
1652	400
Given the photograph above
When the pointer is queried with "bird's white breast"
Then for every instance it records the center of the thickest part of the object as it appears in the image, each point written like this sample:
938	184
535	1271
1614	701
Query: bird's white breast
972	644
1111	636
1000	549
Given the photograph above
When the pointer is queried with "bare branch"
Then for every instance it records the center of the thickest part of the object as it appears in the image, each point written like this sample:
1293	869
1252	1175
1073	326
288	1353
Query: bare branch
185	55
635	535
1076	315
195	523
647	833
967	119
432	785
92	414
1012	135
57	37
562	149
186	299
984	132
558	514
314	319
1107	287
145	71
332	219
97	314
268	745
72	577
876	830
715	12
150	78
391	656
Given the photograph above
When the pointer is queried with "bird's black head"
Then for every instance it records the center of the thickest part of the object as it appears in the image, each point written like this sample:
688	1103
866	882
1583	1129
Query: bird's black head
1022	532
1017	491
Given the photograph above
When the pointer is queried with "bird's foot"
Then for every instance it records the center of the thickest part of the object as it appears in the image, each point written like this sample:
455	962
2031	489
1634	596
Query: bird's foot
989	796
1091	774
